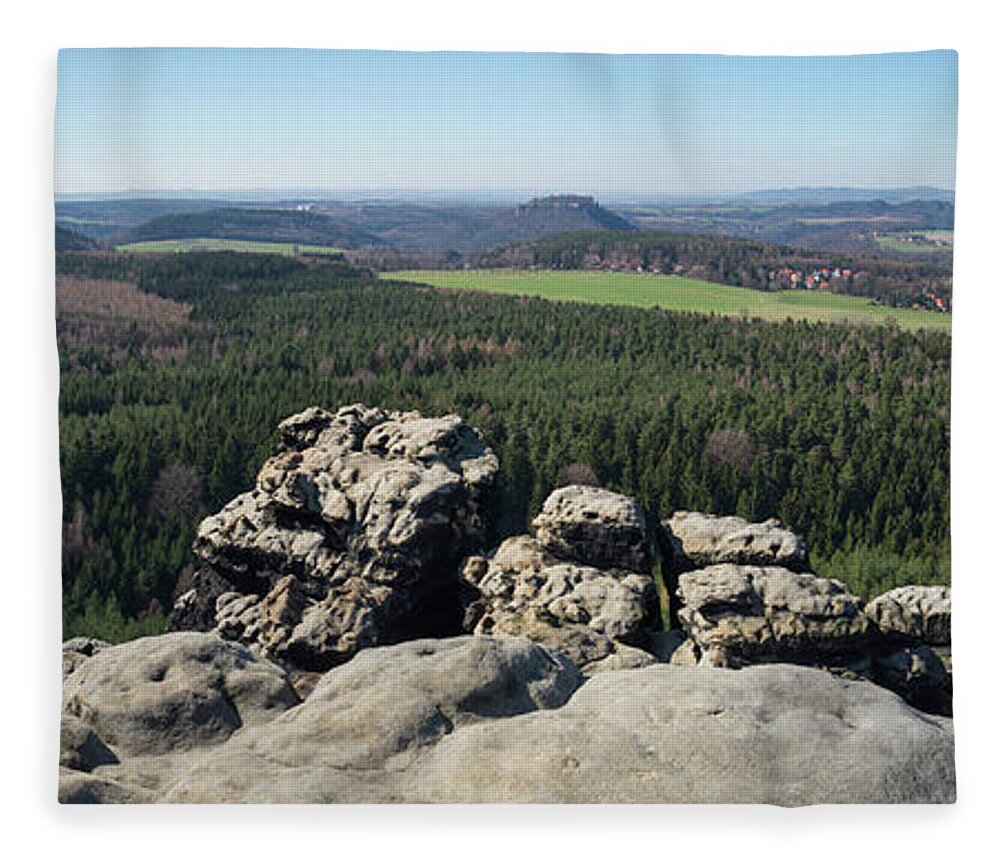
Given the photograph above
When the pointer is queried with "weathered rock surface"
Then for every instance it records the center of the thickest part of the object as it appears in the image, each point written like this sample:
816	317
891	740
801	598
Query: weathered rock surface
78	649
702	540
580	585
498	719
737	615
351	537
780	734
921	612
80	748
594	527
579	610
747	613
170	692
369	720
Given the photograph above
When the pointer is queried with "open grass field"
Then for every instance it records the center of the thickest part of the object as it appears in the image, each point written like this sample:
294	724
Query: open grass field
676	294
172	246
898	241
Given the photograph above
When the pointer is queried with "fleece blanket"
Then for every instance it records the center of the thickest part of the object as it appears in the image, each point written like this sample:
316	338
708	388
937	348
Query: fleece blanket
505	428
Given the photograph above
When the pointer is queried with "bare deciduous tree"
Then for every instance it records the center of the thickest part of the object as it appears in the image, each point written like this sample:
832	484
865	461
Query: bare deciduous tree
732	447
176	490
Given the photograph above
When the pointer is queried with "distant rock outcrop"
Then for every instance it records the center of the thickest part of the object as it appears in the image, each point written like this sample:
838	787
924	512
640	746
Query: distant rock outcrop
582	584
351	537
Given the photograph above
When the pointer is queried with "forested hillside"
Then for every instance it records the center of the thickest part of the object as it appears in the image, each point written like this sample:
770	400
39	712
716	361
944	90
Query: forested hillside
71	240
175	371
265	225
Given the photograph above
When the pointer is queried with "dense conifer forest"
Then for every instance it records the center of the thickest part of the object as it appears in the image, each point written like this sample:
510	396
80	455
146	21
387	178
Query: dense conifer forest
175	372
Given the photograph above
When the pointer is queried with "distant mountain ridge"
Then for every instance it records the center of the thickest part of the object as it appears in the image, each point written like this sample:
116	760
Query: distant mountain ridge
406	227
257	225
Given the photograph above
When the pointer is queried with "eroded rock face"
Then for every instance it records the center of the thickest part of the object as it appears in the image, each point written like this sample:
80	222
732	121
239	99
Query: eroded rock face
579	610
742	612
594	527
580	585
350	538
921	612
167	693
702	540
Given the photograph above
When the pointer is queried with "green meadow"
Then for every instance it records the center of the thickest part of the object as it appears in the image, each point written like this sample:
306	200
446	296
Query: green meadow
673	293
173	246
897	241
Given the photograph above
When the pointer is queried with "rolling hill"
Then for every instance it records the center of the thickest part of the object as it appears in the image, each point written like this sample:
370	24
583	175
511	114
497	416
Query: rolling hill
255	225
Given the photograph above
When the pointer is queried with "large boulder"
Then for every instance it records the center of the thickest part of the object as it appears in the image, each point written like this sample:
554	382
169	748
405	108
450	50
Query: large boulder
594	527
166	693
744	613
351	537
701	540
369	721
920	612
582	611
781	734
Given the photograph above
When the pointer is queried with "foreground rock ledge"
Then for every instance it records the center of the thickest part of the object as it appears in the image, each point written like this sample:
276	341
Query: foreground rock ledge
502	719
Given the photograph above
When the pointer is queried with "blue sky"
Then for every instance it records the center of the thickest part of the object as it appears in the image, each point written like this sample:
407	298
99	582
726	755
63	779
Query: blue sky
229	119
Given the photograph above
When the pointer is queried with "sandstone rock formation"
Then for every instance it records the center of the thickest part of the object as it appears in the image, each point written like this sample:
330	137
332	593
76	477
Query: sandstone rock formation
702	540
168	693
747	613
740	614
594	527
364	531
581	584
921	612
497	719
351	537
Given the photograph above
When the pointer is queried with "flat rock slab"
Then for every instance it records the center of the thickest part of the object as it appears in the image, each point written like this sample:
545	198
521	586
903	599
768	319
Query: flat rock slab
503	720
368	721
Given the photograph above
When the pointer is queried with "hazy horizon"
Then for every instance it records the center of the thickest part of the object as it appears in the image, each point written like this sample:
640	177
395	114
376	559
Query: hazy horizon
228	119
469	194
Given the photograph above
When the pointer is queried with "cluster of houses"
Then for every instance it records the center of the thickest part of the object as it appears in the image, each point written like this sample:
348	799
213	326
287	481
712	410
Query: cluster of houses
929	301
819	279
